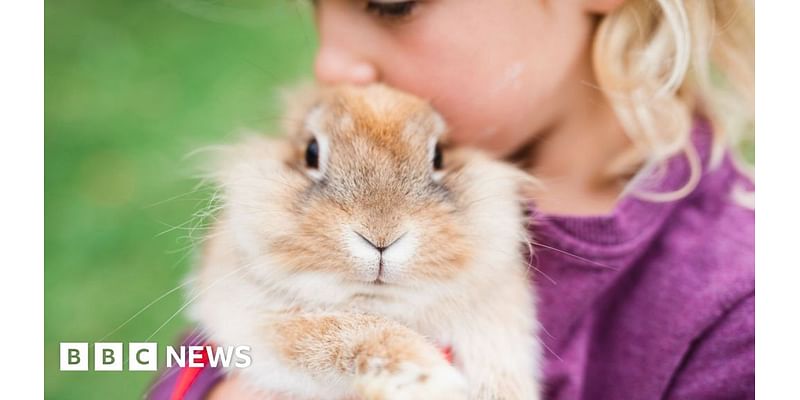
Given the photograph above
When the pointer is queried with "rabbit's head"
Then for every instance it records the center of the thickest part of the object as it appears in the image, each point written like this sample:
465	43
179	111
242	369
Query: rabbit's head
364	195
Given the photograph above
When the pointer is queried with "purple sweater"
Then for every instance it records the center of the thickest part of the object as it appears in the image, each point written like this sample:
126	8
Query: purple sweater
655	300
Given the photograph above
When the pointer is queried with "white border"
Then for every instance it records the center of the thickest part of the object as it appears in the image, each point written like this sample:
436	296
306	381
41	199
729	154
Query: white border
22	194
778	174
777	203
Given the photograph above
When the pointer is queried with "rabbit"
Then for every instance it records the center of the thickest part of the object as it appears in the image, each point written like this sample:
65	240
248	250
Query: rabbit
348	253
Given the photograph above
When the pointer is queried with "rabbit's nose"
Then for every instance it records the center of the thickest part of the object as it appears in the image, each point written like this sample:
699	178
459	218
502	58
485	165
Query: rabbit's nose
378	258
379	247
370	242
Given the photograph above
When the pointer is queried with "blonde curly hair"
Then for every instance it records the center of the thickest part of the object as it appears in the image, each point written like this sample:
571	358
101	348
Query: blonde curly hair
659	62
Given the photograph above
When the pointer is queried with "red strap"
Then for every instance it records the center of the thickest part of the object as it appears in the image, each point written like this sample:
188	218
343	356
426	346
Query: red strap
447	351
187	376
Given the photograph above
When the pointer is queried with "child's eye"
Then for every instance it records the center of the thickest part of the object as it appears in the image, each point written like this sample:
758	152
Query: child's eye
391	9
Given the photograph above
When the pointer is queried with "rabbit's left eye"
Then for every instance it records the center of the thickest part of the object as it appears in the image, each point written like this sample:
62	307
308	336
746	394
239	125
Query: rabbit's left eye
312	154
437	158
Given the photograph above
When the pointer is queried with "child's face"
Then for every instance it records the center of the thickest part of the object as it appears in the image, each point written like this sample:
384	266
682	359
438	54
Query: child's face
500	71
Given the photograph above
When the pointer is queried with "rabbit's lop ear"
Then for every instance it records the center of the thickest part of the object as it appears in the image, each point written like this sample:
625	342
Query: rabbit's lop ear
438	126
297	101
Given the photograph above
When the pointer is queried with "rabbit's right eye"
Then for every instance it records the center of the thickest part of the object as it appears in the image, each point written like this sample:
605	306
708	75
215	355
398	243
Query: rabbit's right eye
312	154
437	158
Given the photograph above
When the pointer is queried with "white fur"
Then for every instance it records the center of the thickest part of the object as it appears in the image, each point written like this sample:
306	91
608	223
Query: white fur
439	383
485	313
366	258
482	315
400	252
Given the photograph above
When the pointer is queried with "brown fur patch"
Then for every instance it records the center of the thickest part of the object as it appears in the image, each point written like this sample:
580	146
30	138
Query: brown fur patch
351	344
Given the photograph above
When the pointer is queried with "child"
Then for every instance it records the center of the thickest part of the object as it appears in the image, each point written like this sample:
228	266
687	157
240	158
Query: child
625	110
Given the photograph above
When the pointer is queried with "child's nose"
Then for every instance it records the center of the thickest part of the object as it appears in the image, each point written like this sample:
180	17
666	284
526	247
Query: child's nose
335	65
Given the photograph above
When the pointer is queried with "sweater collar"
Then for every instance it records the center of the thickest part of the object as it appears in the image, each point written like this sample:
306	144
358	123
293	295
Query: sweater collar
634	221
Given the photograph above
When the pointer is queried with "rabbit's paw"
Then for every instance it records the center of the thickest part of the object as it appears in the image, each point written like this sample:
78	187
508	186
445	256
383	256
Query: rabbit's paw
410	381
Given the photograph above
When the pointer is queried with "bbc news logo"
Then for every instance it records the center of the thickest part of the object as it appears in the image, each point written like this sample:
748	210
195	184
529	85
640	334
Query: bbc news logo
74	356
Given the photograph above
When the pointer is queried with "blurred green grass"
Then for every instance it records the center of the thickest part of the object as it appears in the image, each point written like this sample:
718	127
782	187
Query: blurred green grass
131	87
